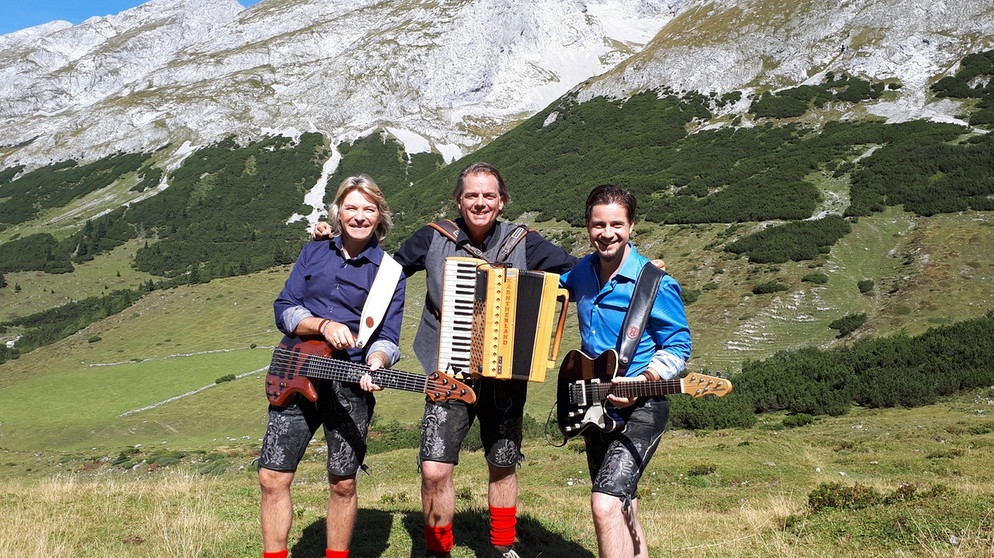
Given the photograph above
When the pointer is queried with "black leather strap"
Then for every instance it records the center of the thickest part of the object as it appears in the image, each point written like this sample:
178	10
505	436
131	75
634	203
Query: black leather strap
637	315
449	229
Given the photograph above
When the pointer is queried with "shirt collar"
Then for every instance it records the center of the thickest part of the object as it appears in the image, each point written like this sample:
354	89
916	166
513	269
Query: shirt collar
371	252
632	265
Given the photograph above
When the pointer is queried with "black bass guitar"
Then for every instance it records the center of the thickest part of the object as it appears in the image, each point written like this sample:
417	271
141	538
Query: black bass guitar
584	384
297	360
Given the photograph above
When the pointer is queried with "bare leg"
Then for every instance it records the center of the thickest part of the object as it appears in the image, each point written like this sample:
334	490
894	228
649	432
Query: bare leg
639	545
276	509
502	492
438	493
614	536
343	506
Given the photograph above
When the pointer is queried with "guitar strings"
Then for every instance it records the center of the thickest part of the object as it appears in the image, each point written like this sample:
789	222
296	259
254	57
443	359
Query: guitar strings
328	368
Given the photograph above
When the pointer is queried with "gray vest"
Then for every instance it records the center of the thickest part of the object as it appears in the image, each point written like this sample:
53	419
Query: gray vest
426	340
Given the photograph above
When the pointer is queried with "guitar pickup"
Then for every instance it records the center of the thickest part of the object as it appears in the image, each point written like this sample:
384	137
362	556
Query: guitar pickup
578	393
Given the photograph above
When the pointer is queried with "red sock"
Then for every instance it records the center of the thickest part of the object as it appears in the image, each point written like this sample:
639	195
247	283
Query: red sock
329	553
502	526
278	554
439	539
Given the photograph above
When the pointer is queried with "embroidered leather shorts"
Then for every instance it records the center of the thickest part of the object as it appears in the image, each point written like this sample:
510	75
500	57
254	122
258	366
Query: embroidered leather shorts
617	460
344	410
500	406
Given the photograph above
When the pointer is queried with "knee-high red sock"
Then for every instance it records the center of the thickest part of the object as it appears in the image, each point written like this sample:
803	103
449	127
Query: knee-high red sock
439	539
329	553
278	554
503	526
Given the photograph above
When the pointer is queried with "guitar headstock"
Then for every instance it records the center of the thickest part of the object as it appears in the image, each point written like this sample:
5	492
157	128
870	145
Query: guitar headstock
700	385
442	387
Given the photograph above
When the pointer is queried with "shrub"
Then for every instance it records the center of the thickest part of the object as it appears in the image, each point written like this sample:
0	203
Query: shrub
798	419
865	286
835	495
712	413
848	323
393	435
816	278
769	287
690	296
701	470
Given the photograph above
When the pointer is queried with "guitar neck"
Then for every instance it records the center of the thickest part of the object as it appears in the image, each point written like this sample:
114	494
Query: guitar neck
637	389
327	368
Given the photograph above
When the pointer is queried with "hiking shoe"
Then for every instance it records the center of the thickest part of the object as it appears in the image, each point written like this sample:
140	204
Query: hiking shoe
504	552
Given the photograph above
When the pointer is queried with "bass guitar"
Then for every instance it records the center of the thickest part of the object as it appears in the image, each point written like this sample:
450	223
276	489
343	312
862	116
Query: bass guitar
585	383
296	360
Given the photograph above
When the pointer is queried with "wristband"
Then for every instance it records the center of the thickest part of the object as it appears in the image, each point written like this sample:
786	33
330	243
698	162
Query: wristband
321	327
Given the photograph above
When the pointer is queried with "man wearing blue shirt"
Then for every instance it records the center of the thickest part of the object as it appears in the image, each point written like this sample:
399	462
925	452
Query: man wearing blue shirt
602	284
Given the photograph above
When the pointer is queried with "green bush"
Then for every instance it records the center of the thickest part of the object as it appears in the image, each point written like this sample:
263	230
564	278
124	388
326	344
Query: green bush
848	323
798	419
712	413
835	495
690	296
769	287
392	435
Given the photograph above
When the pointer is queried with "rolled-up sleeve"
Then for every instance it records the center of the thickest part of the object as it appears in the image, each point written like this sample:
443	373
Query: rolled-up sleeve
288	307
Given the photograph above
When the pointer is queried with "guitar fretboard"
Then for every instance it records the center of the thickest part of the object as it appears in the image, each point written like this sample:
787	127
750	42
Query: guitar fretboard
326	368
693	384
600	390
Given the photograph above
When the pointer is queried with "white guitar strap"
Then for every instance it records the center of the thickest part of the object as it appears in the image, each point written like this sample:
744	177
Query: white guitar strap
380	296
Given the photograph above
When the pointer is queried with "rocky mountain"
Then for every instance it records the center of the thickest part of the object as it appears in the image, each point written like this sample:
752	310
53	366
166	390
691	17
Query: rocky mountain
757	45
452	77
446	76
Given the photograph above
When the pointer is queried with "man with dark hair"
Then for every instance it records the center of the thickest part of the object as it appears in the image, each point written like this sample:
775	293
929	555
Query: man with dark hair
603	286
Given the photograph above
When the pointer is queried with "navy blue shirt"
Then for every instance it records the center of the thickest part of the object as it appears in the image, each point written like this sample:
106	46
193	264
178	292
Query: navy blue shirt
325	284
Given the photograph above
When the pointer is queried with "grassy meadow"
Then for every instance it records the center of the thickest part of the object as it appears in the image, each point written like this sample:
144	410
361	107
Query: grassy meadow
119	441
733	493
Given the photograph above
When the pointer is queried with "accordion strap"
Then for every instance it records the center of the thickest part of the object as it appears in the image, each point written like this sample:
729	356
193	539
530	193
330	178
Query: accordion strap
449	229
637	315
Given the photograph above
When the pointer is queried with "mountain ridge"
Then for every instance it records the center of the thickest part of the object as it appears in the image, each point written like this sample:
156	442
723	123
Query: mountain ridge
285	66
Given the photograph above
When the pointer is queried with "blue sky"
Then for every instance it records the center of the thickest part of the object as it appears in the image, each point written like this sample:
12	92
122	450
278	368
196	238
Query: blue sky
18	14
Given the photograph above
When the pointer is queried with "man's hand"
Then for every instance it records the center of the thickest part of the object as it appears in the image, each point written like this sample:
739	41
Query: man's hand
323	230
622	402
376	360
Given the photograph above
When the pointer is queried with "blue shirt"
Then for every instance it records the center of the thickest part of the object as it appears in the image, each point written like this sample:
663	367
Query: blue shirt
665	343
325	284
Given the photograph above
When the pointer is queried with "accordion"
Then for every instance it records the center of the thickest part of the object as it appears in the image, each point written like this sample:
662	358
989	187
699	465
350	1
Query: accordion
499	322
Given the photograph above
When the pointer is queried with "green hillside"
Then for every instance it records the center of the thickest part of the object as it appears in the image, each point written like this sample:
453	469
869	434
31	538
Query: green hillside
779	226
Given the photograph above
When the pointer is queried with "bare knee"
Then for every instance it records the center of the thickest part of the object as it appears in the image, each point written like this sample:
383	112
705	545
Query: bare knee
604	506
342	487
435	474
273	482
501	474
